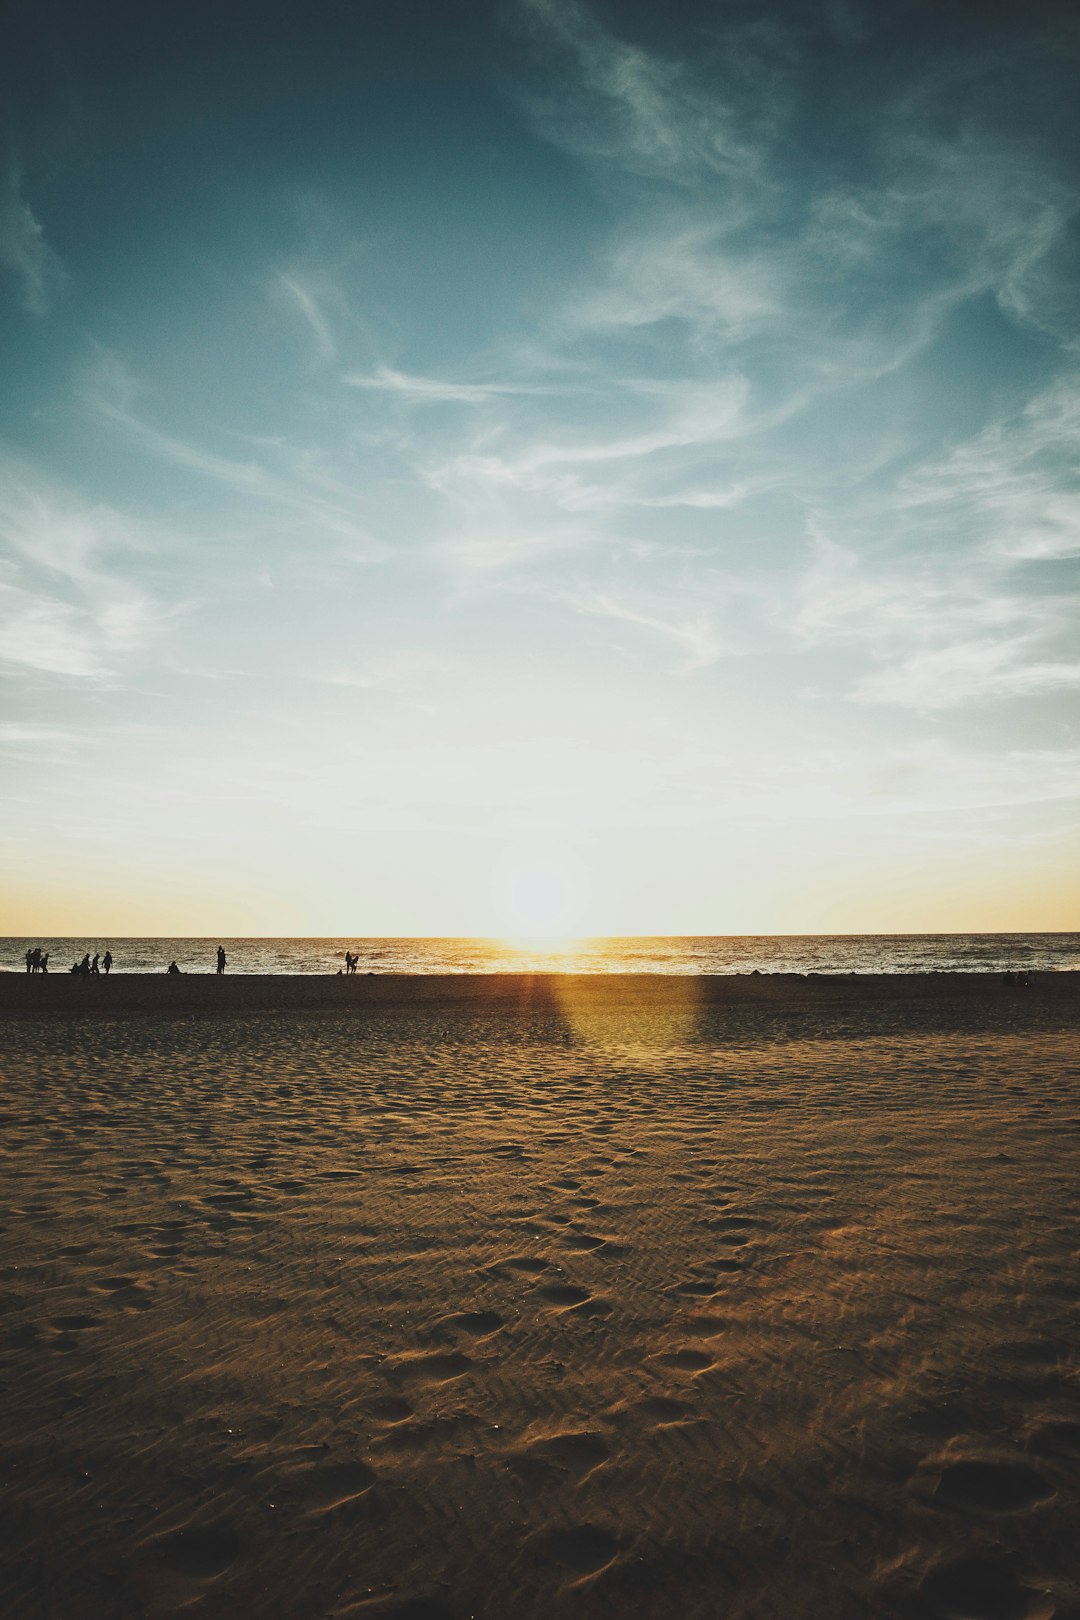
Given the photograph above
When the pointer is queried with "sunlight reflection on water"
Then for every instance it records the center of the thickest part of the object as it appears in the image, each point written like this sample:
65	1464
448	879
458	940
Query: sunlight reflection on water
769	953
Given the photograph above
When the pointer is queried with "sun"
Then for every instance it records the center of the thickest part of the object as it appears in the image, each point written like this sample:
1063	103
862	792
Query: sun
539	894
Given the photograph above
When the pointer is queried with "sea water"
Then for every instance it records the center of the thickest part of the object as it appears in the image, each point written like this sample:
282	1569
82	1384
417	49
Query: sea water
769	953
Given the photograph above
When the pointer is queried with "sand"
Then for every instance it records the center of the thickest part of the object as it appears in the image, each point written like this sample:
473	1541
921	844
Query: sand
540	1297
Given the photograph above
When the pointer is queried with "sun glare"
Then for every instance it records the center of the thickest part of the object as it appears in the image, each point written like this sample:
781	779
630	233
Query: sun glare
539	897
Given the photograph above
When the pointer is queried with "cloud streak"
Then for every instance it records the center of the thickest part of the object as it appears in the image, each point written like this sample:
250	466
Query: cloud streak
24	251
65	607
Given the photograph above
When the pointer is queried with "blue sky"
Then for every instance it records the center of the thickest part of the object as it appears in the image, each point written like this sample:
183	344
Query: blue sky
472	468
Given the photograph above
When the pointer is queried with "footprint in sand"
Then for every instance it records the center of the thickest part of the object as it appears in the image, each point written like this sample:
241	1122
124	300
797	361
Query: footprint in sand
584	1549
127	1293
687	1360
980	1589
662	1410
564	1296
230	1200
594	1308
531	1264
477	1324
389	1409
589	1243
439	1368
991	1488
201	1552
74	1324
164	1251
578	1452
734	1229
704	1325
695	1290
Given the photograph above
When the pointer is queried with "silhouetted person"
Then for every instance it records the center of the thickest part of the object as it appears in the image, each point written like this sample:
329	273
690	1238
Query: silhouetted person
106	962
74	968
172	968
44	961
84	965
29	961
35	958
94	964
221	958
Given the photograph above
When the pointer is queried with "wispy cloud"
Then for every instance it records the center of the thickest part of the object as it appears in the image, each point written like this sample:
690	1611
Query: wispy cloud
304	299
23	248
415	390
965	672
67	608
654	114
279	474
57	638
1015	485
694	634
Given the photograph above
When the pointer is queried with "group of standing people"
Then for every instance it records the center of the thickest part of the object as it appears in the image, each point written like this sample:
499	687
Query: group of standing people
37	961
97	965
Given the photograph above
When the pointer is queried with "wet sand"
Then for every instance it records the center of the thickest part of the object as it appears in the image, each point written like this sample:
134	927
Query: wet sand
539	1296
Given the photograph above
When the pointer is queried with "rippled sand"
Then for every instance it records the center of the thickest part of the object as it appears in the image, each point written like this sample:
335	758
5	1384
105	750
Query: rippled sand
538	1299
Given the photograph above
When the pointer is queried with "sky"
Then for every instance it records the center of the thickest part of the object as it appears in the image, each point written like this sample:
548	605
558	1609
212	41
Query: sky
539	466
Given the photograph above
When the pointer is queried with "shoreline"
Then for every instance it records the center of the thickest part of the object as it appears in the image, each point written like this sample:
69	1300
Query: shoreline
1053	996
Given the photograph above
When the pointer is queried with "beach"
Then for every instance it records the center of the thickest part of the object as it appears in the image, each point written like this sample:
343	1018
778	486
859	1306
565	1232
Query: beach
541	1295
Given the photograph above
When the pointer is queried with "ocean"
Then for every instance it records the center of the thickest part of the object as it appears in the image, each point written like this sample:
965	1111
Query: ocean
769	953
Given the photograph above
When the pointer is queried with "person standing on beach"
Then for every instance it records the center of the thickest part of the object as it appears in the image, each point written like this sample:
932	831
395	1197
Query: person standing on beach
106	962
221	958
29	961
94	964
44	961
